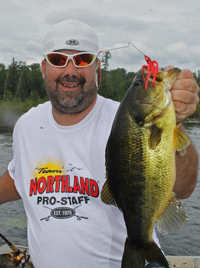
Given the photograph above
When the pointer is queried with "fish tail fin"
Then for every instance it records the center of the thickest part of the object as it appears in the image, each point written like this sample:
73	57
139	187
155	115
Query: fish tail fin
135	257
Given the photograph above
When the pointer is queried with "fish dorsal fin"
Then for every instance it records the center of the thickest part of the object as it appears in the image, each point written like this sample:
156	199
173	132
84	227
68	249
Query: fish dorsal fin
155	136
106	195
173	218
181	141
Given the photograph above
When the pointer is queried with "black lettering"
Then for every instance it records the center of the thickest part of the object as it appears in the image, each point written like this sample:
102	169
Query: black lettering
86	199
45	170
64	200
69	198
45	200
52	200
39	199
74	201
80	199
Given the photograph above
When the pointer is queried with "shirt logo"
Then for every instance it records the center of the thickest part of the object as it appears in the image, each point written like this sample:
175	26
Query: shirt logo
63	213
72	42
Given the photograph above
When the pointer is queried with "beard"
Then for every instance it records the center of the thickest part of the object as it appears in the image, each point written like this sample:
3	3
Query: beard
71	101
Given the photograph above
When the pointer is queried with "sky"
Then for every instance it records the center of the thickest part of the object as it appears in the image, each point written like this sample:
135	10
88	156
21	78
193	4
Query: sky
166	31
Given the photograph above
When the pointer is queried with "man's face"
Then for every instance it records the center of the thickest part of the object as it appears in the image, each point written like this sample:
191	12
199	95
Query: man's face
70	89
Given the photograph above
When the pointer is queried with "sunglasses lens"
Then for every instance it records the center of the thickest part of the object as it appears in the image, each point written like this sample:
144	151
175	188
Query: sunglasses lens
57	59
83	60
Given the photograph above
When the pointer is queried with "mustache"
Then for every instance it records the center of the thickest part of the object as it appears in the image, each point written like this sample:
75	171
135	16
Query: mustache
70	79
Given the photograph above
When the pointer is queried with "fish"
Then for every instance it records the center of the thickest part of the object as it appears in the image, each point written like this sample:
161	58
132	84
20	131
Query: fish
140	166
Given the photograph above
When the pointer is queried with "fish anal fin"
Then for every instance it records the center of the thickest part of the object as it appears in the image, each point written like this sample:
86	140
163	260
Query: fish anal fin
173	218
106	195
181	141
155	136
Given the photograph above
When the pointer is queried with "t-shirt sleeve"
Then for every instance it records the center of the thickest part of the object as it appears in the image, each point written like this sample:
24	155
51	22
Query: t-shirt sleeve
11	169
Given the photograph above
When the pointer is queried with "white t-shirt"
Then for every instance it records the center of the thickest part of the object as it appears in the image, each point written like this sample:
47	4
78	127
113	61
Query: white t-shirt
59	172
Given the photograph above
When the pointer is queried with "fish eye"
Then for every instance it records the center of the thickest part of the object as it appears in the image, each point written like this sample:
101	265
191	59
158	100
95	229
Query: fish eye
137	82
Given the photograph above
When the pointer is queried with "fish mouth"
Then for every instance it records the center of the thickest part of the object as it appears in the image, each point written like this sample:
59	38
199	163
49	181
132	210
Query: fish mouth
157	79
164	78
157	98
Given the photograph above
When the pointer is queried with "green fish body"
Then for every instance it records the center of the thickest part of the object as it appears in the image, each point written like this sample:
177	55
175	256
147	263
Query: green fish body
140	167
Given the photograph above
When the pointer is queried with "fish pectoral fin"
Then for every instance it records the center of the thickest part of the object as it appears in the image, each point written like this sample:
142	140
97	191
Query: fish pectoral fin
173	218
155	136
181	141
106	195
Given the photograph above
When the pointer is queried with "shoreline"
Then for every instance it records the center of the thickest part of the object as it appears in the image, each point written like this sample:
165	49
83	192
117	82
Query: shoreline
11	112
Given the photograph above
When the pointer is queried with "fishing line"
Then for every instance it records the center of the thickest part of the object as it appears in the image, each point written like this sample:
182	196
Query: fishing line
127	43
51	8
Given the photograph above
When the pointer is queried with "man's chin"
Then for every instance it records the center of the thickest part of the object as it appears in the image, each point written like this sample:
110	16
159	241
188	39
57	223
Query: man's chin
68	107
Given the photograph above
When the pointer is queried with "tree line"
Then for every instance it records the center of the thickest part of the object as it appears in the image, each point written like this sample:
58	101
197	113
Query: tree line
19	81
23	85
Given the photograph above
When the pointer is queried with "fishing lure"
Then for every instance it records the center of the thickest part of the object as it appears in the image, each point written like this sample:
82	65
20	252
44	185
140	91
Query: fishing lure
151	68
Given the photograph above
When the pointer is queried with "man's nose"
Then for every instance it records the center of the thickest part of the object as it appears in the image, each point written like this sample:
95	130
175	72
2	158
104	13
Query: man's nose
70	69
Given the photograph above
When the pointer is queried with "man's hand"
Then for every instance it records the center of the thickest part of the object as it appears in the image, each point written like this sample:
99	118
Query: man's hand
184	94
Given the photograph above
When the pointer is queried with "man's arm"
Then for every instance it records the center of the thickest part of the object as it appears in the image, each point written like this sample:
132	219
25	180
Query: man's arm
184	93
8	191
186	171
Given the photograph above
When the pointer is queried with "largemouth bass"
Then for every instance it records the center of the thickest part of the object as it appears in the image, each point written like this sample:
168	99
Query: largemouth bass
140	167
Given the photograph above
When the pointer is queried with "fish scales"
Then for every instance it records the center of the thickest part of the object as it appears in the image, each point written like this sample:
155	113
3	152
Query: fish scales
140	166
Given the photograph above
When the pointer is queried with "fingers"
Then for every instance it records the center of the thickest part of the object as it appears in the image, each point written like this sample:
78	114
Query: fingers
183	110
184	93
186	81
185	96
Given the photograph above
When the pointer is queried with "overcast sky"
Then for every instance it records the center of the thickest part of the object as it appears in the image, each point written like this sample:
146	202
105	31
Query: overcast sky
167	31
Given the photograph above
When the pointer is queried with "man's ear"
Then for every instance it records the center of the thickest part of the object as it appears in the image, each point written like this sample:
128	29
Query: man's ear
43	68
98	74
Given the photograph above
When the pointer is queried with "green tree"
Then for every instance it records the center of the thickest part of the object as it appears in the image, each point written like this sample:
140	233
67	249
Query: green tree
3	74
106	87
36	81
20	90
118	77
105	63
34	98
115	83
14	71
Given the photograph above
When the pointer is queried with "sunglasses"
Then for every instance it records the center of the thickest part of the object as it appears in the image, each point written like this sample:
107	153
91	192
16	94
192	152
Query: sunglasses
80	60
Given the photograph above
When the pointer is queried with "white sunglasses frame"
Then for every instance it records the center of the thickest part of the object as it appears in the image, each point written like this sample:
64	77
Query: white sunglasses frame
70	57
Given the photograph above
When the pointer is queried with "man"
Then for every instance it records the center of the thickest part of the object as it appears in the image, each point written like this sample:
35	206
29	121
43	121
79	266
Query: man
58	165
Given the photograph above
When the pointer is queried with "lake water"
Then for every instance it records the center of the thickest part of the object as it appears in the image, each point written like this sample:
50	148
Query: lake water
185	241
